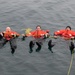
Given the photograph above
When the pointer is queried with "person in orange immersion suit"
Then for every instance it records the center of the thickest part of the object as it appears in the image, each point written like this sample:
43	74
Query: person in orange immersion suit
66	34
39	36
9	35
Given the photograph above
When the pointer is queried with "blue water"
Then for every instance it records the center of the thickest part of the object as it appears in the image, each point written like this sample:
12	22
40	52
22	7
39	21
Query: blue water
50	14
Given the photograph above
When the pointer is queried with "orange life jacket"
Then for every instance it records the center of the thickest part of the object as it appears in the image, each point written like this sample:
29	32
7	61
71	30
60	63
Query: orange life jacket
37	33
9	35
65	33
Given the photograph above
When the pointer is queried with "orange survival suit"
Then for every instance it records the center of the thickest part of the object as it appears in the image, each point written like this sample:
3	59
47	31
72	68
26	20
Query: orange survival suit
67	34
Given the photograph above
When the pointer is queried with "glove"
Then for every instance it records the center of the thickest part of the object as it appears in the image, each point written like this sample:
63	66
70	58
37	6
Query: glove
15	36
23	38
46	36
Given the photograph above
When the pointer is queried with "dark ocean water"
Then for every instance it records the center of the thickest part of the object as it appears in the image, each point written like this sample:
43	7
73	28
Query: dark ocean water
50	14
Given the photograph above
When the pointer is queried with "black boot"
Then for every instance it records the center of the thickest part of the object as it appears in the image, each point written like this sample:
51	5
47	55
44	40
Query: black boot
50	45
71	47
31	45
12	50
39	47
